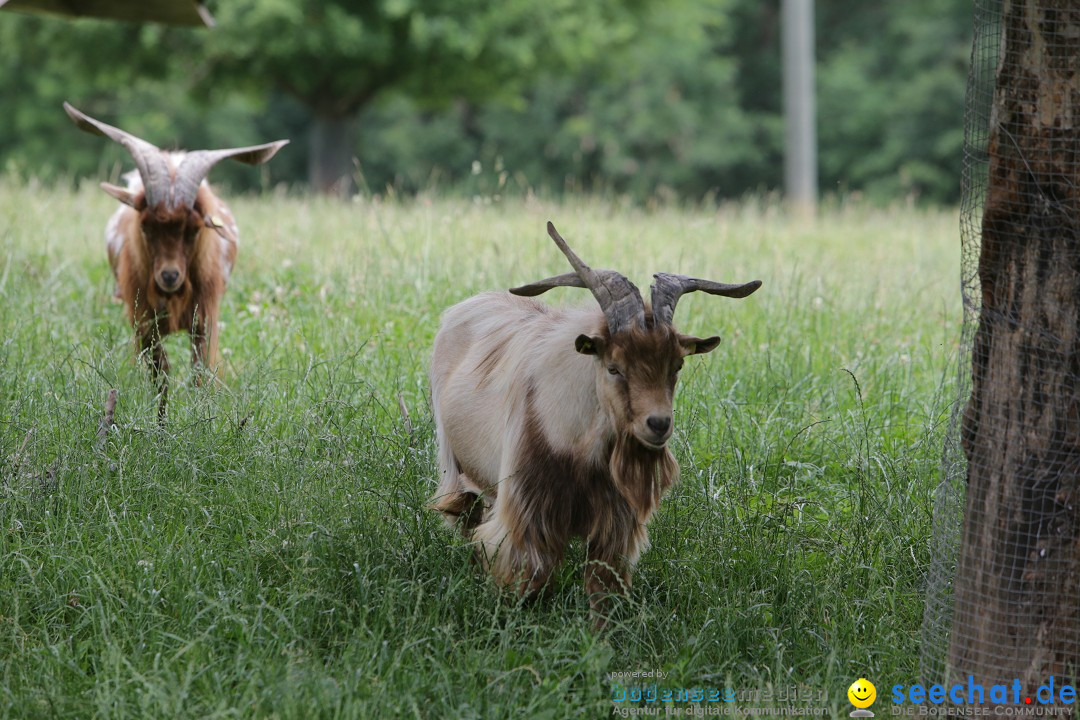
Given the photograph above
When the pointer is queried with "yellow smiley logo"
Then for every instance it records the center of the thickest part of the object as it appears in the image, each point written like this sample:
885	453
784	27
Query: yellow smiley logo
862	693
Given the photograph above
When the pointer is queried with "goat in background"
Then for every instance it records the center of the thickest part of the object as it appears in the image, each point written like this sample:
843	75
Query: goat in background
172	244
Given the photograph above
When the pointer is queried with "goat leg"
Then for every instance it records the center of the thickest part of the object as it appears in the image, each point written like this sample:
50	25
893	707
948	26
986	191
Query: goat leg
154	353
204	343
515	565
606	573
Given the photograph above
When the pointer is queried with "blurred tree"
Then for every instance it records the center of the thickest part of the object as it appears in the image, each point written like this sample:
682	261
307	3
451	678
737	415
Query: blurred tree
336	56
890	82
139	77
97	65
691	104
681	98
658	115
891	96
190	12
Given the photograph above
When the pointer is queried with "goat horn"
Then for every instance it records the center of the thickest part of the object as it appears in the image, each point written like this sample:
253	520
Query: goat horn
618	297
196	165
668	288
150	161
542	286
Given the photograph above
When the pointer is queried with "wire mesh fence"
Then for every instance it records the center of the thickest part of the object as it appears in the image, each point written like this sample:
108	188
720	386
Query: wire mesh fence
1003	600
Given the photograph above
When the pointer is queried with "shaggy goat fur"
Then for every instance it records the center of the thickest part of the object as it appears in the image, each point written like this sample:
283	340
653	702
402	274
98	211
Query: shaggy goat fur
140	241
173	243
553	424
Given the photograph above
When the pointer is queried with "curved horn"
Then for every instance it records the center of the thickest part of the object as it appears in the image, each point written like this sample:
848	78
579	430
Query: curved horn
542	286
618	297
195	166
150	161
668	288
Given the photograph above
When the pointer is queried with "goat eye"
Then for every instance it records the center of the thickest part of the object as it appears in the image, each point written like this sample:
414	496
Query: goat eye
612	370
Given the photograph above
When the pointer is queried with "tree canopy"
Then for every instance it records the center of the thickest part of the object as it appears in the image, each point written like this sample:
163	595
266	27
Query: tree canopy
674	99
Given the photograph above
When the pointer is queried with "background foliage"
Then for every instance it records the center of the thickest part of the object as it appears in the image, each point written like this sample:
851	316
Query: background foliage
679	98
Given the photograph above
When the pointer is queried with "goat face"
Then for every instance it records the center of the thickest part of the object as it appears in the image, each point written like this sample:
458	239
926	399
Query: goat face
640	354
169	235
170	242
168	205
636	374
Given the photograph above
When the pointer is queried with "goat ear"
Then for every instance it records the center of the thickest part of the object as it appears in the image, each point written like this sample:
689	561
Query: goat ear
135	200
589	344
216	222
220	226
698	346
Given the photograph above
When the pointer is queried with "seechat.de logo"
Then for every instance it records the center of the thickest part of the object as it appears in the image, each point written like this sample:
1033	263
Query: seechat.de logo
862	695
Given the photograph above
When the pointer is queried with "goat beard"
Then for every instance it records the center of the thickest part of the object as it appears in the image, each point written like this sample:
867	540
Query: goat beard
641	474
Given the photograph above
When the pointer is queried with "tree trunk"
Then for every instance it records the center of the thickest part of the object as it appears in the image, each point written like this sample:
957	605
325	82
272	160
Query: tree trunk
1017	609
330	165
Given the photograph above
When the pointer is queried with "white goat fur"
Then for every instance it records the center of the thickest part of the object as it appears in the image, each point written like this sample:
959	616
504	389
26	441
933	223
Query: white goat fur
495	356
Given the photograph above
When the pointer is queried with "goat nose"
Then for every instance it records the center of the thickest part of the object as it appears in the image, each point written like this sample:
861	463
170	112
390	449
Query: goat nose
659	424
169	276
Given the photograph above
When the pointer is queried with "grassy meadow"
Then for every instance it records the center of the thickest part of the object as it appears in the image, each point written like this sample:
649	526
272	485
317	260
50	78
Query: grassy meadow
267	553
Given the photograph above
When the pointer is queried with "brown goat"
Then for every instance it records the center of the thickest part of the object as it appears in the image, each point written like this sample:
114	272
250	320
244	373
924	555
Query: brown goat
172	244
554	423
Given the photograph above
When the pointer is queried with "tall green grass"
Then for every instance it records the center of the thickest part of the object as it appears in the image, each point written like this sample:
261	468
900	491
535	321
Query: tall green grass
266	552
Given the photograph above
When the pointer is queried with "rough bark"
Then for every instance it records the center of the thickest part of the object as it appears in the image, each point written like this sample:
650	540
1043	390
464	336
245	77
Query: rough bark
1017	608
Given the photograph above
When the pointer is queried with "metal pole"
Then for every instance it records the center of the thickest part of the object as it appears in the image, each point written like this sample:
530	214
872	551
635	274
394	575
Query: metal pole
800	131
